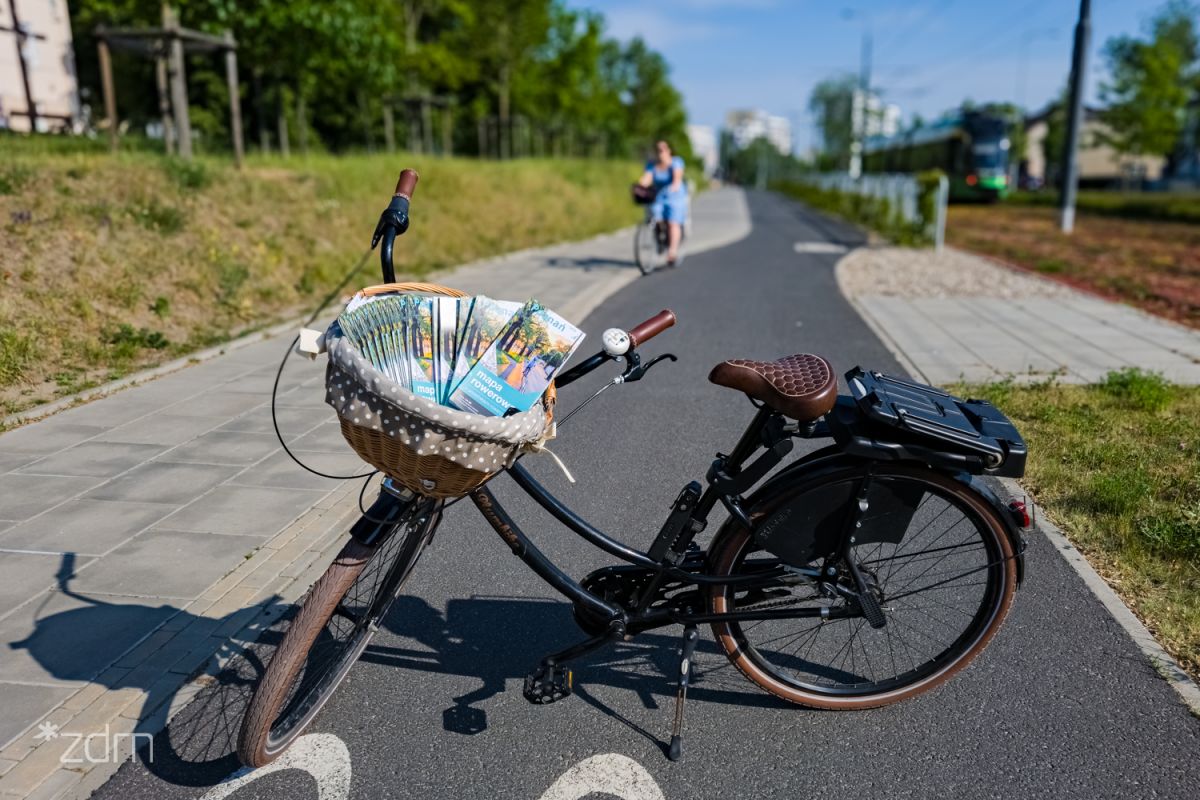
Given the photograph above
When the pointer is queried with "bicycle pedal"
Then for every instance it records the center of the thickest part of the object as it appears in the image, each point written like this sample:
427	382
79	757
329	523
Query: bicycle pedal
872	610
547	685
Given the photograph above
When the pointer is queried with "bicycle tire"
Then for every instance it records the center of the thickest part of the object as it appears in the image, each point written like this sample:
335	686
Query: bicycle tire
645	248
794	676
282	706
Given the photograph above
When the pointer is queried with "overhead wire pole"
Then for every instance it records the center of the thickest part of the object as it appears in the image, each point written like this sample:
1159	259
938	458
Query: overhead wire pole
858	105
1075	116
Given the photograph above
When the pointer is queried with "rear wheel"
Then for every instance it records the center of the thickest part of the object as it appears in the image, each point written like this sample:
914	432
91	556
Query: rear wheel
944	588
330	631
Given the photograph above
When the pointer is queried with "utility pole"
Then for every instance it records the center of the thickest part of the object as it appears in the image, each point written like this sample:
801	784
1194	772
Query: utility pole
858	103
1075	116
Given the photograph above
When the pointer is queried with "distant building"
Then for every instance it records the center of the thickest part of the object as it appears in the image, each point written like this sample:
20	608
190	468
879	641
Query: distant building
49	62
883	119
746	126
704	145
1100	166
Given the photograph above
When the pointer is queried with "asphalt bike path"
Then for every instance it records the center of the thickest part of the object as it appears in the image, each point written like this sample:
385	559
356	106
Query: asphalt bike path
1061	704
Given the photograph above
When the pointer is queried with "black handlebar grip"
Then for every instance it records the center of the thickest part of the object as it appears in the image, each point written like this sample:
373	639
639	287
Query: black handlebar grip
407	183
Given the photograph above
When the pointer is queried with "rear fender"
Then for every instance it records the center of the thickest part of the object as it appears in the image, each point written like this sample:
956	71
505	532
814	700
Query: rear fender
829	459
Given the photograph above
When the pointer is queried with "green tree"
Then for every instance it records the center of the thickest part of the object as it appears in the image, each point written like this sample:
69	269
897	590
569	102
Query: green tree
832	107
1151	82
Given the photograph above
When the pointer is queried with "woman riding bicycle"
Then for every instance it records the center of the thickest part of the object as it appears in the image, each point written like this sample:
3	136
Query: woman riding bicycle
664	173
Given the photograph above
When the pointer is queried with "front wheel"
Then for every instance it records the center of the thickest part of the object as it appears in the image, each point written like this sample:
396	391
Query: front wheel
332	628
646	249
945	582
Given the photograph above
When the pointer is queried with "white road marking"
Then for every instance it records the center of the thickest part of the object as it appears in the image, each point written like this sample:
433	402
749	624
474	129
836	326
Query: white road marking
322	755
819	247
609	773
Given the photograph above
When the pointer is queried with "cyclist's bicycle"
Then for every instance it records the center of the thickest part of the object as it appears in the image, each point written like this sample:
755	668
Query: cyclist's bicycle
651	238
864	573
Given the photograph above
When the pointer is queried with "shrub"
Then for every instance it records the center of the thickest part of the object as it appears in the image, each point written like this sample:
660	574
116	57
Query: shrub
157	216
1146	391
187	174
873	213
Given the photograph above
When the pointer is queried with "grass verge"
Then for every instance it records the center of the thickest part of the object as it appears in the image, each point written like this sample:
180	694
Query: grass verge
1117	466
112	264
1151	264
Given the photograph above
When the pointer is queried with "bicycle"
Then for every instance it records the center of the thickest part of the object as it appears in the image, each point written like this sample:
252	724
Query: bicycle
864	573
651	238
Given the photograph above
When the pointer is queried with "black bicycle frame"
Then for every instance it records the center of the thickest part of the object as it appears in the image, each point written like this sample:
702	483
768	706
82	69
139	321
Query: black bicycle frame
643	618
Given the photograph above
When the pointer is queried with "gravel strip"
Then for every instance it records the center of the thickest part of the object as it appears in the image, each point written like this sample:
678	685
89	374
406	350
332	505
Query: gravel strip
909	272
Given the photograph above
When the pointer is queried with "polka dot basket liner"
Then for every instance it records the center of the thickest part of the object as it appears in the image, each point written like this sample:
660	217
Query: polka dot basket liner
426	447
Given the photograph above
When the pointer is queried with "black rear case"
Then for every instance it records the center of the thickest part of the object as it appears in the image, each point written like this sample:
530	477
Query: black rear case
909	421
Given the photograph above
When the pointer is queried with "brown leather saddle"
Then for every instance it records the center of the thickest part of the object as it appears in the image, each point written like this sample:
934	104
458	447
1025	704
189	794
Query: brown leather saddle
802	386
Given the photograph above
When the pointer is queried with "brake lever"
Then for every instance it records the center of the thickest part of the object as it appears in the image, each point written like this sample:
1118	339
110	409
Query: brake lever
636	370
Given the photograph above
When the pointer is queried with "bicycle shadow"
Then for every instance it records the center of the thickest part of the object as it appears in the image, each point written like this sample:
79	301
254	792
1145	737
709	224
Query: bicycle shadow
497	640
196	749
589	263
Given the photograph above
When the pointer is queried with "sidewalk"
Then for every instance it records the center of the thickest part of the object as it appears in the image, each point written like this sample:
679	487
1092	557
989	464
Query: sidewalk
960	317
144	532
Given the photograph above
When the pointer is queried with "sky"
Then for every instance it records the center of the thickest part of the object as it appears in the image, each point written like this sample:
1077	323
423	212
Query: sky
927	55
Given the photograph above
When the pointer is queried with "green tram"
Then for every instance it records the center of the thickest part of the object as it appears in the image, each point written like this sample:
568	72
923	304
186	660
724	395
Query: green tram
972	148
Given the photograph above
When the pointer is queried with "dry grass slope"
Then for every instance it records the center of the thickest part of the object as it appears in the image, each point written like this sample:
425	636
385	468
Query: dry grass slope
113	264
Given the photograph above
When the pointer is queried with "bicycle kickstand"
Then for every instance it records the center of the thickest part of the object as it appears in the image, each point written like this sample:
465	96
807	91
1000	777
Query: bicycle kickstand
691	637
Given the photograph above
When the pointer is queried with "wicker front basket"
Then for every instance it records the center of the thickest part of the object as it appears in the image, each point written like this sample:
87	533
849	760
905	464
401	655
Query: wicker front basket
430	475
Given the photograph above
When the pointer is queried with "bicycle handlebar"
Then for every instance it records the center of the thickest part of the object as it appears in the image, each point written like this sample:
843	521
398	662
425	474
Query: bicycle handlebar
645	331
407	183
394	221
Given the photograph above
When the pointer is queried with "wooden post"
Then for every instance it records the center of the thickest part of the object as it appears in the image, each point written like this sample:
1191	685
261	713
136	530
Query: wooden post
302	121
447	131
235	99
365	116
264	136
482	137
426	124
178	79
285	143
389	126
164	99
110	96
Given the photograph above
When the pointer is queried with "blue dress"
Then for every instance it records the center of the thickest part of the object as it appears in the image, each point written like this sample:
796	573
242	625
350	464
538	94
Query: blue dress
671	206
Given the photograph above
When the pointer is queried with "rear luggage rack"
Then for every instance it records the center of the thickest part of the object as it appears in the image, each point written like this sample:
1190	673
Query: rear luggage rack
895	419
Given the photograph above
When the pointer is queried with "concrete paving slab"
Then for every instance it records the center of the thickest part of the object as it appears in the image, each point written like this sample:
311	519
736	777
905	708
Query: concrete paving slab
163	482
215	403
247	510
147	564
163	429
84	526
280	471
97	459
61	639
54	436
12	461
23	496
110	415
292	421
226	447
325	438
26	575
24	705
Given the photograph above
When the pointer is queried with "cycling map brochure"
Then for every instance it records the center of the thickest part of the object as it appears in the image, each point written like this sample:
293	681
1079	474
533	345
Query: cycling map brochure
514	371
477	354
